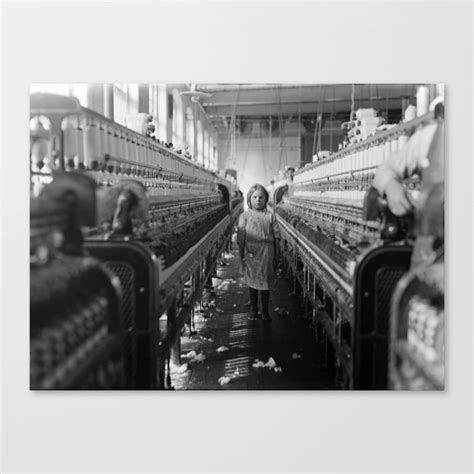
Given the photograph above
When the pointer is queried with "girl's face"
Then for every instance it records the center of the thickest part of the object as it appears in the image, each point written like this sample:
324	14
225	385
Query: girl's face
257	200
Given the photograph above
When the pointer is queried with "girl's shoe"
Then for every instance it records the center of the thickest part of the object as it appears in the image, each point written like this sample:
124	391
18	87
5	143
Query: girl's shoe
252	317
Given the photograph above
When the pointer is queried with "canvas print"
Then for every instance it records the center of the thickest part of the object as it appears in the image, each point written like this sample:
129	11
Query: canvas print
237	236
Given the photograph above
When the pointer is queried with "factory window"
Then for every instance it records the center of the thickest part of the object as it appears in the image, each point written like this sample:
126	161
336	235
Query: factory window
216	158
190	130
80	92
133	99
120	102
206	148
178	120
162	112
153	100
199	141
125	101
212	154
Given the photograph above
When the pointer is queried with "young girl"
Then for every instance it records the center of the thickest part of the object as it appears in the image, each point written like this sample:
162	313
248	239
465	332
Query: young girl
257	236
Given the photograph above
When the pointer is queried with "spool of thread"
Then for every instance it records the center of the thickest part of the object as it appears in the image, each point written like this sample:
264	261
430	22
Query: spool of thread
394	145
422	100
410	113
387	150
402	140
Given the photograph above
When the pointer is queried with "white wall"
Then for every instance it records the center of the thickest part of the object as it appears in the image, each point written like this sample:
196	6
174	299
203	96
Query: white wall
259	156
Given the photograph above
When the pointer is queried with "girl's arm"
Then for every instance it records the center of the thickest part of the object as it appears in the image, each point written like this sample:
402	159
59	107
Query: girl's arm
241	235
276	238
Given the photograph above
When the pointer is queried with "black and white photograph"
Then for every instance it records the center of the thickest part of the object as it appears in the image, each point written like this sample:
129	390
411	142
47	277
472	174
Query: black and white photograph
237	236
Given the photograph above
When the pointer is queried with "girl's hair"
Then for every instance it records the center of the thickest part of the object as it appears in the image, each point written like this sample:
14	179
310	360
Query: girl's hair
257	187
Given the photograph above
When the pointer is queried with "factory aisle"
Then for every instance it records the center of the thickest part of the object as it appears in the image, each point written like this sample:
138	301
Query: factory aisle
226	351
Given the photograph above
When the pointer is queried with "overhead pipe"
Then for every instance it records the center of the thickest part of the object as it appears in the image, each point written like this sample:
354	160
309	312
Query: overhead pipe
304	102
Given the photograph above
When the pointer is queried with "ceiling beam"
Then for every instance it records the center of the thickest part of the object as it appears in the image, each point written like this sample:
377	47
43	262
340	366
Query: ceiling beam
317	102
309	93
291	108
212	88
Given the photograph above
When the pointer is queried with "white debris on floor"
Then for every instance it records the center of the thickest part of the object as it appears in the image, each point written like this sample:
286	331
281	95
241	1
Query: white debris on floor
222	349
199	337
270	364
295	356
192	356
182	368
199	358
227	379
228	280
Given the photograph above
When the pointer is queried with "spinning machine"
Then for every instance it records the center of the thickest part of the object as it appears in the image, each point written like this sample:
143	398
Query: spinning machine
346	252
135	228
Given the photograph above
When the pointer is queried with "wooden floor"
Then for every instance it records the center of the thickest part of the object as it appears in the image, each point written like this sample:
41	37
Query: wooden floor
226	351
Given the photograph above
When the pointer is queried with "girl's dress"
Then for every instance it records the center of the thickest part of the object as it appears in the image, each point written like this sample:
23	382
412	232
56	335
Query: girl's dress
257	234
